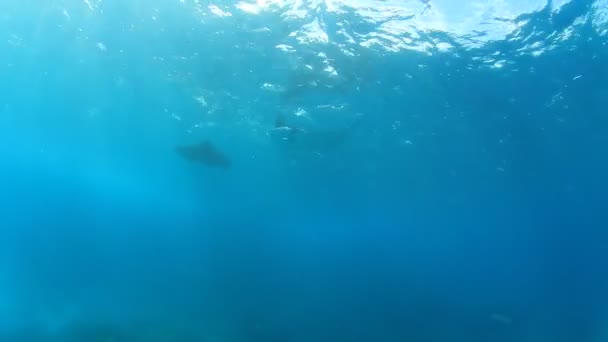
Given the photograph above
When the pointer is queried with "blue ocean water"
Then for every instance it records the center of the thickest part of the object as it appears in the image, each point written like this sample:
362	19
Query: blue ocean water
355	170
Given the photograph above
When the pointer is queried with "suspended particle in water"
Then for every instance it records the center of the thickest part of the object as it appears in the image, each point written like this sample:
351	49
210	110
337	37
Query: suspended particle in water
15	40
501	318
406	142
201	100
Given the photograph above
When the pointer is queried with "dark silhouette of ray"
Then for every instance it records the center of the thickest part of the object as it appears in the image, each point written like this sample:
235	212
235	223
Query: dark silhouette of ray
205	153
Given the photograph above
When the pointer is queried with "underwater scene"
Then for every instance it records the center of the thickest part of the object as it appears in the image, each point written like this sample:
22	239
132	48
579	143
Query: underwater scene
304	171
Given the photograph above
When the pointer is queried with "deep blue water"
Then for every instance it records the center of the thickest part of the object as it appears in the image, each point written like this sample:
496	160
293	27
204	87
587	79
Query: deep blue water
398	171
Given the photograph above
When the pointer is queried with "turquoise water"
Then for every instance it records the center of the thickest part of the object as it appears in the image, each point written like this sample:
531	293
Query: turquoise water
292	171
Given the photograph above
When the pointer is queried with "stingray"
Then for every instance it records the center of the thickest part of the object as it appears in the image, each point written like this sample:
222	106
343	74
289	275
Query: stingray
205	153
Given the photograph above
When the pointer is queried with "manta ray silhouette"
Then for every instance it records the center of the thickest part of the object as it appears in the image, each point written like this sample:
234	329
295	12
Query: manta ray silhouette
205	153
